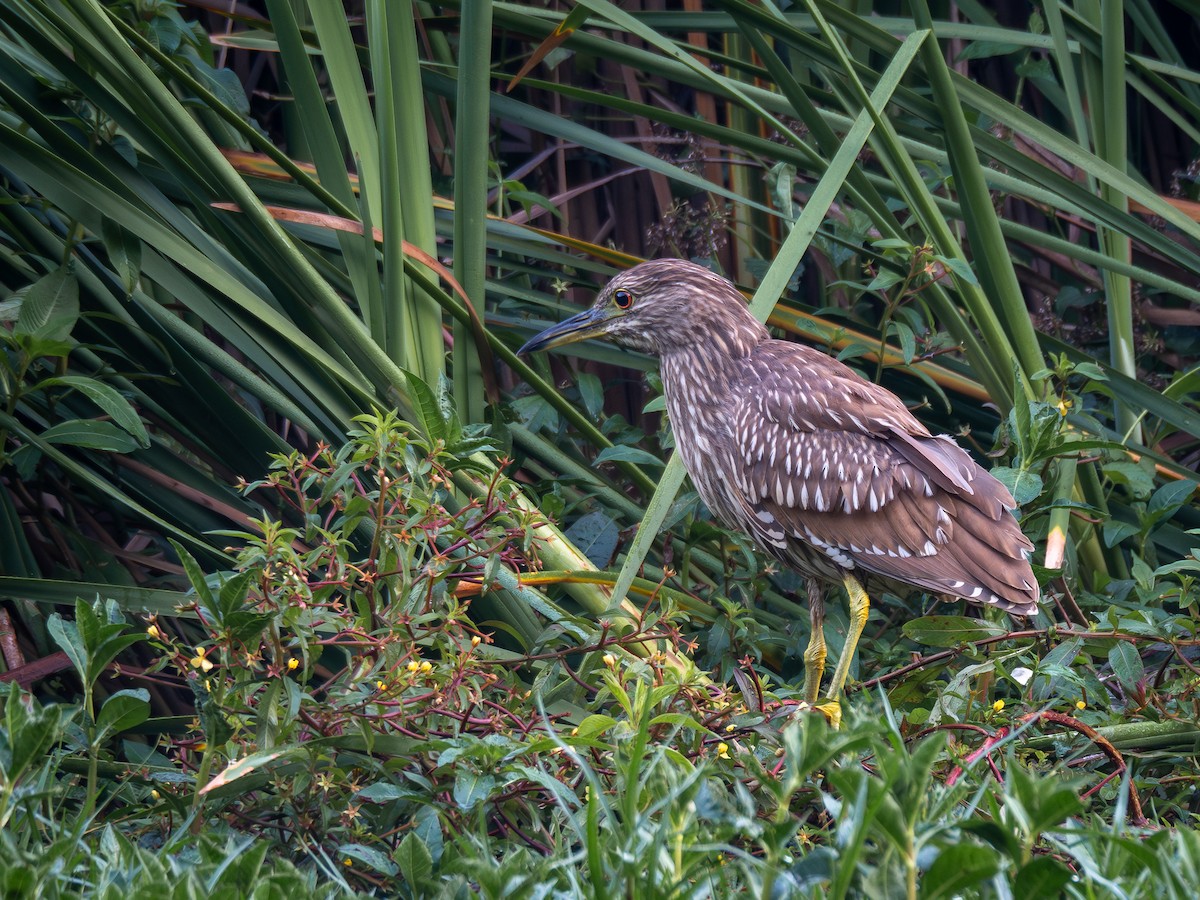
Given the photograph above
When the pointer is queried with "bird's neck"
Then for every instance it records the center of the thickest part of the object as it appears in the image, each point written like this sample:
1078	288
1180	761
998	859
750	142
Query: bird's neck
727	342
701	389
700	377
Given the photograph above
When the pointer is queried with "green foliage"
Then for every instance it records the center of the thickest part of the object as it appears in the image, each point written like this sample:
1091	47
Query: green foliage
363	726
165	329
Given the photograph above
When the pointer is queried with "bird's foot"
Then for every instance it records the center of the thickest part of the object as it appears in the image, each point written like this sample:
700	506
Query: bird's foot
830	709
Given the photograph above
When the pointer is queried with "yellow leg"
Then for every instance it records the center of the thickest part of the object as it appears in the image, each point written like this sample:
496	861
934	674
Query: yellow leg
814	655
860	606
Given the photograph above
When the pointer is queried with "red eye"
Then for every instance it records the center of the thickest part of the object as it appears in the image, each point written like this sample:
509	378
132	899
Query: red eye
623	299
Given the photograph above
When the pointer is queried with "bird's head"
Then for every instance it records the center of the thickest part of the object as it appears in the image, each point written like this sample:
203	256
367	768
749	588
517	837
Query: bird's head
658	307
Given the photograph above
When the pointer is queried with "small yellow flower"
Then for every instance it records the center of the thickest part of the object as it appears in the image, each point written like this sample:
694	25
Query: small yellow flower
201	661
723	750
201	747
413	665
730	727
293	663
609	660
154	793
153	632
380	686
347	861
1080	705
475	640
426	667
997	706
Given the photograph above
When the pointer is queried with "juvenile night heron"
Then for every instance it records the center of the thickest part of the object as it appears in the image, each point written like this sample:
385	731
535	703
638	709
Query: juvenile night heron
825	471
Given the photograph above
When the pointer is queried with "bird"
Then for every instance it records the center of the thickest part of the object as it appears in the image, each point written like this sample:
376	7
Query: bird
827	472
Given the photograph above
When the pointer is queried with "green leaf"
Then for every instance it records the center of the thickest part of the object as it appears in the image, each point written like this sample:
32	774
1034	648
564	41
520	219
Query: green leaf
252	763
428	827
1042	876
594	725
592	393
36	347
655	404
949	631
91	434
987	49
49	307
66	635
908	340
414	860
1170	497
1116	531
595	535
124	710
108	399
884	280
1025	486
428	410
1091	370
1021	412
1134	476
195	575
30	729
472	788
124	251
369	856
1126	664
957	869
626	453
384	792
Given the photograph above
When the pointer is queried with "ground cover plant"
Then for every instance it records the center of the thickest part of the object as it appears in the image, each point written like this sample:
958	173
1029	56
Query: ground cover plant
309	581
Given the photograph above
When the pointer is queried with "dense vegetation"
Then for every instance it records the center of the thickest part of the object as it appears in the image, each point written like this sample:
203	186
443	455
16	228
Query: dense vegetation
309	585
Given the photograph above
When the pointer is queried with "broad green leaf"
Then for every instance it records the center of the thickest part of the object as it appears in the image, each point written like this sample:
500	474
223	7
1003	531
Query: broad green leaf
596	535
108	399
1126	664
592	394
950	631
594	726
414	860
196	576
239	769
49	307
1042	876
124	252
428	827
1139	481
123	710
626	453
30	729
66	635
91	434
369	856
472	788
1116	531
1170	497
1025	486
430	413
958	869
385	792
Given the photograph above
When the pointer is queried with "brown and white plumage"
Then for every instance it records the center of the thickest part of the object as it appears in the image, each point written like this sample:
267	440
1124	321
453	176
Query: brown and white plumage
870	490
826	471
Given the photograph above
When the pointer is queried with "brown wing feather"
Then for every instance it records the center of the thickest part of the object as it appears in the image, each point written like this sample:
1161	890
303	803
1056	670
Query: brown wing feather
841	466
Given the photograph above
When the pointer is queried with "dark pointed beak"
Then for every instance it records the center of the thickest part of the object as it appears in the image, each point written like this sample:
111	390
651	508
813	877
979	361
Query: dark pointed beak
581	326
